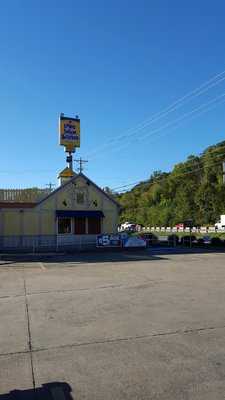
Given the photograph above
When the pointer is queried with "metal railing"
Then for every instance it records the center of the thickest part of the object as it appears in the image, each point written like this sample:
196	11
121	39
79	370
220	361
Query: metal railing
39	243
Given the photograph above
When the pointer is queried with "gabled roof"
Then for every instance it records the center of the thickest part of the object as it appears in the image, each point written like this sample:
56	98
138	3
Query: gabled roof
73	179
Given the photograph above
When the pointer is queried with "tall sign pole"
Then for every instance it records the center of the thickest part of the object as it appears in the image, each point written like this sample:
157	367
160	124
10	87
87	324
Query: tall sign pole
69	136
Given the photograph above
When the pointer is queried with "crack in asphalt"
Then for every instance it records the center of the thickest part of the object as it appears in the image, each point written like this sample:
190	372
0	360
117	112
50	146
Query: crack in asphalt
119	286
29	332
115	340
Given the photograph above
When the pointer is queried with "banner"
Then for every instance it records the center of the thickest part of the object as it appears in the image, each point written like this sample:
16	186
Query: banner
120	240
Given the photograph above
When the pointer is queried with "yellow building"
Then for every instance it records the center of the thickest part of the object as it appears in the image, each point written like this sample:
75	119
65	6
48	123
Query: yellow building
73	215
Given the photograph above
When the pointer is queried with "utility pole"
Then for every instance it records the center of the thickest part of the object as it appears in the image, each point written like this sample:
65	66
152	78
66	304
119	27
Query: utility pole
50	186
81	162
224	172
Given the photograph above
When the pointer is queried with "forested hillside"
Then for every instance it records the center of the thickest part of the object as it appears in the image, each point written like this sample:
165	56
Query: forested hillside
194	189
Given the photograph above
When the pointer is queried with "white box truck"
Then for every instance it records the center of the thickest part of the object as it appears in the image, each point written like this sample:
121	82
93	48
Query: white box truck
221	223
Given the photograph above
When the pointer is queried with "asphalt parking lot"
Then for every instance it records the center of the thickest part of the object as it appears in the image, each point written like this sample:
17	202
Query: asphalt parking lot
135	325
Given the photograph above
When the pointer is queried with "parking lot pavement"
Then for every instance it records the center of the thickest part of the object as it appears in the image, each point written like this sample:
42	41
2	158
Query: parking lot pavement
11	281
15	372
188	366
130	326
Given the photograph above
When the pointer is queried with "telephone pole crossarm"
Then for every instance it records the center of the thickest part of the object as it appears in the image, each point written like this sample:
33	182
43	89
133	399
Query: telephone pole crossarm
80	161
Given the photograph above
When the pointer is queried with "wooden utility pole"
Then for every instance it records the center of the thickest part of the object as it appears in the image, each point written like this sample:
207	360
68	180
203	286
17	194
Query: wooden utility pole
50	185
80	161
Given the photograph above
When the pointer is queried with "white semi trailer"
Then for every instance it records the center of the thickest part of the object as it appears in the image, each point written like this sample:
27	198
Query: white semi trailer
221	223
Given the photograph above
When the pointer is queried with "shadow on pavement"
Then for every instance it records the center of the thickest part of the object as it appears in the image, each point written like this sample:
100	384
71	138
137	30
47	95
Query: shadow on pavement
48	391
185	250
85	258
132	255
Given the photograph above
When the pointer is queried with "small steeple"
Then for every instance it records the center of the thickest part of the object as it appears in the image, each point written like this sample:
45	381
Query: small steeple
65	175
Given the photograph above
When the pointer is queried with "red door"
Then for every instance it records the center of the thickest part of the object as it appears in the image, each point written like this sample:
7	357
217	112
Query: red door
79	226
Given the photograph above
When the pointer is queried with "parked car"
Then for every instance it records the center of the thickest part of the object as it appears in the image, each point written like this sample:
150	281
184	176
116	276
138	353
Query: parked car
207	240
127	227
179	226
221	223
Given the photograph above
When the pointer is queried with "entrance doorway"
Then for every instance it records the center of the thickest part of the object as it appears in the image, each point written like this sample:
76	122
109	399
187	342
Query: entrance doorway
80	225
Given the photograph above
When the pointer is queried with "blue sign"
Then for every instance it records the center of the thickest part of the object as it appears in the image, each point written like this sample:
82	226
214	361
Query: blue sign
108	241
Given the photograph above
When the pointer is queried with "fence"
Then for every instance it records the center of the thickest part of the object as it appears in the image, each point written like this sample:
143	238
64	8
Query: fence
39	243
23	194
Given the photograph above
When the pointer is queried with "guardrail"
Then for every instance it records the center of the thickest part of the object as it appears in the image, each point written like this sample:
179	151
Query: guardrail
203	229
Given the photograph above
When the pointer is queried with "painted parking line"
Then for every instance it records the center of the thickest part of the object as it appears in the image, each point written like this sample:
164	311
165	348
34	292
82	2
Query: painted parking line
42	266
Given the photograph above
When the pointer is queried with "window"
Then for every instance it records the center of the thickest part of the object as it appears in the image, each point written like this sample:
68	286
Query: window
64	225
94	225
80	198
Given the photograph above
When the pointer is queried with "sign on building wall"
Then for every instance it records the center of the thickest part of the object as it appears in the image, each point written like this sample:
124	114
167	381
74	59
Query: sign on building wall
108	240
69	132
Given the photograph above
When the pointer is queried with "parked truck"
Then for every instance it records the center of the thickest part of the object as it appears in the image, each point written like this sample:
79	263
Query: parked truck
221	223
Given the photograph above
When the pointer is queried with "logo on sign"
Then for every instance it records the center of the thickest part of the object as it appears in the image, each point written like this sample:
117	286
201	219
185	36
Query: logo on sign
70	132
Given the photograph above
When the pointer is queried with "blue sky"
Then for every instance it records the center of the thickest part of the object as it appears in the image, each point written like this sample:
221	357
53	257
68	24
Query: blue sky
115	63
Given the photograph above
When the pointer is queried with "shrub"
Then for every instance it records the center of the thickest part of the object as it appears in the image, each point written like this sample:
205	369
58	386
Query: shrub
201	241
216	241
150	238
185	240
173	239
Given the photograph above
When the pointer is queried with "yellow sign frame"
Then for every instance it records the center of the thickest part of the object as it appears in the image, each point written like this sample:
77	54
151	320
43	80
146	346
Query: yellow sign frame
69	133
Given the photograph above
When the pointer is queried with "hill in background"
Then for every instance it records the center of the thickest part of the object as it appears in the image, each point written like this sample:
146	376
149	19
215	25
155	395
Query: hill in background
193	189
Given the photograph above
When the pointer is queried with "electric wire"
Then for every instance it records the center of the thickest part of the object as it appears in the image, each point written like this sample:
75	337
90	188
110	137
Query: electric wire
161	114
168	173
208	106
200	161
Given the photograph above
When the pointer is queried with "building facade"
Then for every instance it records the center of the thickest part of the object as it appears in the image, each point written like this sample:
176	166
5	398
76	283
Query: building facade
71	215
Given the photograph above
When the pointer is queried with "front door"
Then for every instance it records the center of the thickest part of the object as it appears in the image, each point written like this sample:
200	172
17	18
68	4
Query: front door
79	226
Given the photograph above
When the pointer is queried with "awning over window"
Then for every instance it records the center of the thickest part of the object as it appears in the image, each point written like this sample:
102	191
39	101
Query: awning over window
83	213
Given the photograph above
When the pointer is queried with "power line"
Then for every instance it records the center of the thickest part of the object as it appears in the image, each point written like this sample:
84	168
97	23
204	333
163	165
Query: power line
168	173
178	175
145	182
203	107
181	174
193	114
175	105
201	156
